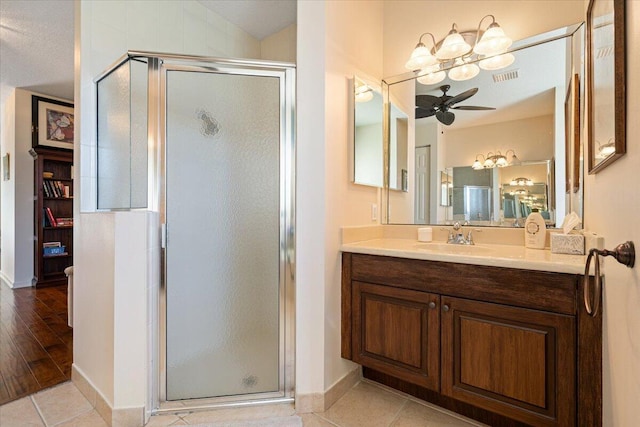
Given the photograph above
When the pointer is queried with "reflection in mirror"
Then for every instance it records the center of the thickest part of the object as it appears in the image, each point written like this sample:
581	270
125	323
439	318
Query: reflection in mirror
398	144
446	188
498	196
528	120
367	136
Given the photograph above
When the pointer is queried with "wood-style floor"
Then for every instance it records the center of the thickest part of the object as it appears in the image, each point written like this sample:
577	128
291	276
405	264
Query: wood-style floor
36	345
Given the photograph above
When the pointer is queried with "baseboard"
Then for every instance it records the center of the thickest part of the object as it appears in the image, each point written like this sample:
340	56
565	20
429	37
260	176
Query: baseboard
13	285
121	417
320	402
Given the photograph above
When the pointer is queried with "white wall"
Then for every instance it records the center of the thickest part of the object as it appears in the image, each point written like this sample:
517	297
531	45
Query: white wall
280	46
612	203
110	347
7	193
531	138
353	47
332	47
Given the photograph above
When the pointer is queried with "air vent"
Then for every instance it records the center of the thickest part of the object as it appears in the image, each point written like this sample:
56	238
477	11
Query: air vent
507	75
603	52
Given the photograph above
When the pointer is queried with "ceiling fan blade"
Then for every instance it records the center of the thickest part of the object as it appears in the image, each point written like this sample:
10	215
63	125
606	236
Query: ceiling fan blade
427	101
445	117
424	112
472	107
461	97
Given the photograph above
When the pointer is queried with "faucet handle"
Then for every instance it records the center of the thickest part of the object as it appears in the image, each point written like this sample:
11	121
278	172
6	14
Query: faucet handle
456	225
470	238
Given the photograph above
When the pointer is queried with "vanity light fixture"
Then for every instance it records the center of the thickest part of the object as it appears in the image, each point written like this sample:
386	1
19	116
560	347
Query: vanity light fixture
456	52
492	160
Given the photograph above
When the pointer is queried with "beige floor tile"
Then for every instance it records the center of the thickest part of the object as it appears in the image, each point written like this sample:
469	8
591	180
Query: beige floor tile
162	420
20	413
239	414
61	403
415	414
88	419
365	405
313	420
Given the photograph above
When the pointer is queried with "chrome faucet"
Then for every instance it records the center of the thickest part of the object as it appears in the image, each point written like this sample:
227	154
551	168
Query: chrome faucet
457	238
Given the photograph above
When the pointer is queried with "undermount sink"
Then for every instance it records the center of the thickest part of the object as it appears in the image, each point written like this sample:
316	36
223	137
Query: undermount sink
454	249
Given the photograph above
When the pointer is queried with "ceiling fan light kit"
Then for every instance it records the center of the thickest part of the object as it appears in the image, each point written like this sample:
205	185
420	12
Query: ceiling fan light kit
489	47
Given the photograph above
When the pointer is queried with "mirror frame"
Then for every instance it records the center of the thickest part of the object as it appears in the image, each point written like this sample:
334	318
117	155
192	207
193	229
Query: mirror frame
619	119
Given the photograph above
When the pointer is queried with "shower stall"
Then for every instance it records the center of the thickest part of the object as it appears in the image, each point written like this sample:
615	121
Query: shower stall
208	144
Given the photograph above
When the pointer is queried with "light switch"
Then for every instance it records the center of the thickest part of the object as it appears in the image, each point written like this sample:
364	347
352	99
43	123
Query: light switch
374	212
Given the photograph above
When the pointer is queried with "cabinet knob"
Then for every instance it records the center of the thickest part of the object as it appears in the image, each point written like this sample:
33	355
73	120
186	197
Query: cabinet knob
445	307
432	304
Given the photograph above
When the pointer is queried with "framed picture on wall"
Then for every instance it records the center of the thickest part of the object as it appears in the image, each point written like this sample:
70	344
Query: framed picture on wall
53	125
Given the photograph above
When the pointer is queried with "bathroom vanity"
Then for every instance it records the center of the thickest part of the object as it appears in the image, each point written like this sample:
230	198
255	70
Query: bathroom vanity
506	346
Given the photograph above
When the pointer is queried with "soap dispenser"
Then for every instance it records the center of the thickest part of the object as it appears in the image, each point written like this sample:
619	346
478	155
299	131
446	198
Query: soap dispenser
535	233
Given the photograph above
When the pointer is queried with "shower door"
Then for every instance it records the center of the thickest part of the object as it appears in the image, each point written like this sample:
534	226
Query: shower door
227	191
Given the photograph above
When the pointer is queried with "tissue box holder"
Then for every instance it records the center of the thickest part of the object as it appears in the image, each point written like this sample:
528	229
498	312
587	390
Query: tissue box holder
572	244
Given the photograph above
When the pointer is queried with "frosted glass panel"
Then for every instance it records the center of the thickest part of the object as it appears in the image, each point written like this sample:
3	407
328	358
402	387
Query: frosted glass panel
122	137
139	113
114	165
223	207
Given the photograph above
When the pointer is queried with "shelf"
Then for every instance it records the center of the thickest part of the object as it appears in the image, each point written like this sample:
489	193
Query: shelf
49	196
57	179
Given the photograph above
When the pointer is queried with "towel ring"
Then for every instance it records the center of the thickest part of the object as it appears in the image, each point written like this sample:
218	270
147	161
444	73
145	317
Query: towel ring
624	253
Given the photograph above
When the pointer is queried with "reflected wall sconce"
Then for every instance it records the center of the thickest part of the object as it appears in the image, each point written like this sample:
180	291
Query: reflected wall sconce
521	181
607	149
363	93
497	160
456	53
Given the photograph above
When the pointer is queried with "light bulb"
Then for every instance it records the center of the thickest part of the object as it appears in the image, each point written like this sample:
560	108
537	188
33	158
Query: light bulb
463	71
497	62
420	58
477	165
493	41
453	46
364	96
431	75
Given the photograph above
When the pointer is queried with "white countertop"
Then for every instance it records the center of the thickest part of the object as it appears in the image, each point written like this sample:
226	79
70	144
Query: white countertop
509	256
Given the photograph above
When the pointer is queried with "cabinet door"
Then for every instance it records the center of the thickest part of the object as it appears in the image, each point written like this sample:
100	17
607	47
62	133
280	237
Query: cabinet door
396	331
513	361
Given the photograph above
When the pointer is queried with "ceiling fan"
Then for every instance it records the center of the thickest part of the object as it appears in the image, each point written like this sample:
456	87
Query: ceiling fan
429	105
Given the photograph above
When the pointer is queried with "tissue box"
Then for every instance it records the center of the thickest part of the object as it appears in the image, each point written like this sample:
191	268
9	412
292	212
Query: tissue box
567	244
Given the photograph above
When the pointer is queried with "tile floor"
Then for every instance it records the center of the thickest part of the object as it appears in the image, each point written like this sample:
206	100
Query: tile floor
366	404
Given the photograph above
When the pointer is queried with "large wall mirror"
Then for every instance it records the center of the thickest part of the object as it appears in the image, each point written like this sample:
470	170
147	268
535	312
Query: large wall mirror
367	141
500	157
367	138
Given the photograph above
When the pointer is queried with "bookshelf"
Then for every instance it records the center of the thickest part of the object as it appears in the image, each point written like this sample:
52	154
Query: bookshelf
53	213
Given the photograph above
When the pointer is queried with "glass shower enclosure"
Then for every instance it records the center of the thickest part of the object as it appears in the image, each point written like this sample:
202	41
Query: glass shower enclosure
208	144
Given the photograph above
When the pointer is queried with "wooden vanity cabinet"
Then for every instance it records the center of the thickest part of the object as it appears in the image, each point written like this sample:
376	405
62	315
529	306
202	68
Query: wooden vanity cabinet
507	347
398	331
513	361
